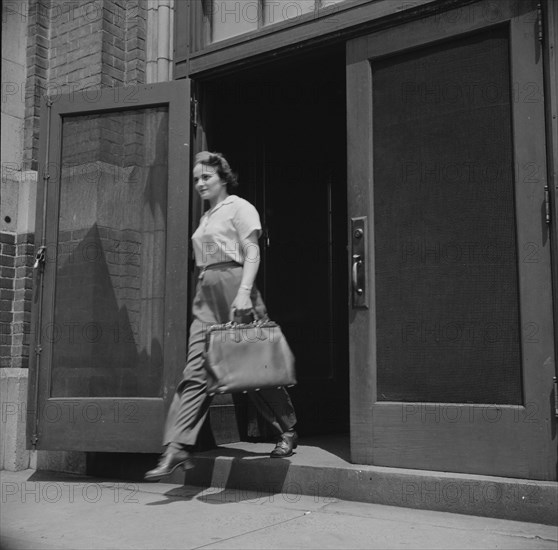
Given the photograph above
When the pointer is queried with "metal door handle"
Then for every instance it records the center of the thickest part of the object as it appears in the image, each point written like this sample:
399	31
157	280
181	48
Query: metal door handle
358	258
357	262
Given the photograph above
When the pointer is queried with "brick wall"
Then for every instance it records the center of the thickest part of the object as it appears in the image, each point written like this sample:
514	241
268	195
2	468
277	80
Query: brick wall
7	271
16	271
38	22
136	31
78	45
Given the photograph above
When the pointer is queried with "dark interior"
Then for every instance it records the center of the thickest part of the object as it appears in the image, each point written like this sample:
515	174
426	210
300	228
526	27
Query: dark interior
282	127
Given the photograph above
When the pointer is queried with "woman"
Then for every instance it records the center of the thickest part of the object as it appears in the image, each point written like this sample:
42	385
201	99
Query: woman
227	253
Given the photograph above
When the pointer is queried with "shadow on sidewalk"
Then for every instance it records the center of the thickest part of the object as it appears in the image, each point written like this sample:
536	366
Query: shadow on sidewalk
241	479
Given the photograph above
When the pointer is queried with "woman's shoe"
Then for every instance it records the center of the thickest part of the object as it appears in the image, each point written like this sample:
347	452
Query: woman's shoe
168	463
287	442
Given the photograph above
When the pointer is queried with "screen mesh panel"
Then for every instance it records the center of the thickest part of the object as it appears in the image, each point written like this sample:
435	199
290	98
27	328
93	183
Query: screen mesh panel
108	330
445	242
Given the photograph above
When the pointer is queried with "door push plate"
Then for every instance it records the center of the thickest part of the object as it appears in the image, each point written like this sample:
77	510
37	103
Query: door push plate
359	231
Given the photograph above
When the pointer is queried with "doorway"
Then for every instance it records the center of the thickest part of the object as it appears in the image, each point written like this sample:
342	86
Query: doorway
282	126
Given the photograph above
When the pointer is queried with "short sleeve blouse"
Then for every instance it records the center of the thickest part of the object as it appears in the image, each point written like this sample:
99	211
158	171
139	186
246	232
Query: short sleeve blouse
222	230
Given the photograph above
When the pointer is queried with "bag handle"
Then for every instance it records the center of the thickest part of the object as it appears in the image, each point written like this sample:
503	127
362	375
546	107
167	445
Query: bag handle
233	315
263	322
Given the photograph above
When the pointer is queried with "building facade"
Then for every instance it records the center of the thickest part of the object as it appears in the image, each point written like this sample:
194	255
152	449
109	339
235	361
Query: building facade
402	157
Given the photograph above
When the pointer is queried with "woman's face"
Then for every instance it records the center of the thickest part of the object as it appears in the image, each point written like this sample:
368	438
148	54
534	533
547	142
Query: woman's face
208	183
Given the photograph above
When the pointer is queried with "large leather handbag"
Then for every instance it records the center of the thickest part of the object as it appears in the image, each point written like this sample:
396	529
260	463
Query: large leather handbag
242	357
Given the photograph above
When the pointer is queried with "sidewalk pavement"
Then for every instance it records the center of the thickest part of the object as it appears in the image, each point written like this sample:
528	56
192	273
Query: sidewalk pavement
321	467
48	510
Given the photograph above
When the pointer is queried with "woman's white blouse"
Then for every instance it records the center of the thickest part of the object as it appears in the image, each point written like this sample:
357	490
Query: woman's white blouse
222	230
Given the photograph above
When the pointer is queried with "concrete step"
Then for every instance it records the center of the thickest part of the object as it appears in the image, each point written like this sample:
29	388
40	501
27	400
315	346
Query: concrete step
321	468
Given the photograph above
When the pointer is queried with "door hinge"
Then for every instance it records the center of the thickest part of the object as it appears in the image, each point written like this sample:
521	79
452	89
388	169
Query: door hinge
540	27
546	204
194	112
34	440
555	396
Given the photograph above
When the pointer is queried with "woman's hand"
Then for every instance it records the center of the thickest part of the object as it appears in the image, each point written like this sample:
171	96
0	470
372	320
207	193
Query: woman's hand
242	304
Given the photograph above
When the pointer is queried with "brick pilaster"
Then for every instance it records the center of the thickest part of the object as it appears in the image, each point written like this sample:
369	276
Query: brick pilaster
7	271
16	266
23	294
136	30
38	44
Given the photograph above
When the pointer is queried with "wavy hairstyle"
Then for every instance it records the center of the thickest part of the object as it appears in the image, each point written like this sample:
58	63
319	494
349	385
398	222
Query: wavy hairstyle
219	162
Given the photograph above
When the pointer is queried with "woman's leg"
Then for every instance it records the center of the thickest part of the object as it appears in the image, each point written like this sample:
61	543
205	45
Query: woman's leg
190	404
275	404
276	407
188	409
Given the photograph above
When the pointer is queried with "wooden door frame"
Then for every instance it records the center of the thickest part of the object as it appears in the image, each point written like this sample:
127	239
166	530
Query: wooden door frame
128	424
527	144
550	46
194	54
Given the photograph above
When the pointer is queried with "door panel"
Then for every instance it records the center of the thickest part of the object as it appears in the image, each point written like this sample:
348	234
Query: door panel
116	212
111	240
444	225
452	364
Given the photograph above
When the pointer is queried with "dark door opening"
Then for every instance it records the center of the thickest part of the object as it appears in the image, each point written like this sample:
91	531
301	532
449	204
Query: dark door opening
282	127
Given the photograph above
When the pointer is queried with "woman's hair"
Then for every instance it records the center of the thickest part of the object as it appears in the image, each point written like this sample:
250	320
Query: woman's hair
218	161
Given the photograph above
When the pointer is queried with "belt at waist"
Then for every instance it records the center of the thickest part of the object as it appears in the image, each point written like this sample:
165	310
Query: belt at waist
218	265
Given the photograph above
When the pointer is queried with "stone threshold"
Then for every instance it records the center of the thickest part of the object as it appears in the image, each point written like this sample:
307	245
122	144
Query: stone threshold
320	468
